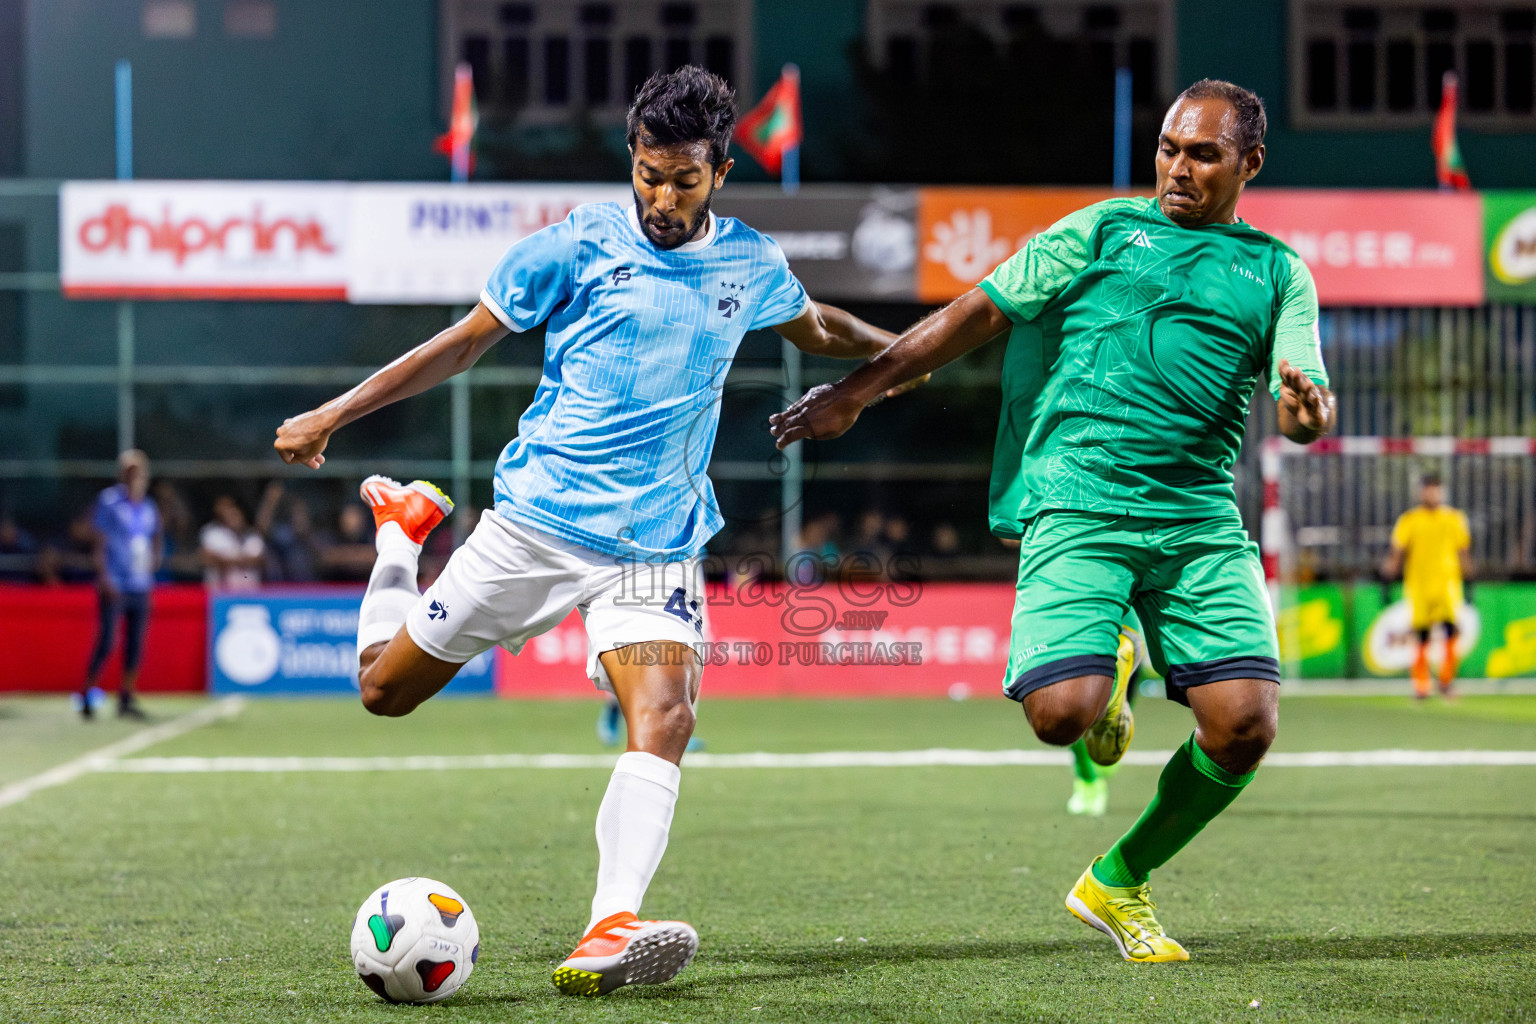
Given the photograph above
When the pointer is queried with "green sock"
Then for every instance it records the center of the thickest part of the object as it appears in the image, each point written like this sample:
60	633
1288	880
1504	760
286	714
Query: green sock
1082	765
1193	789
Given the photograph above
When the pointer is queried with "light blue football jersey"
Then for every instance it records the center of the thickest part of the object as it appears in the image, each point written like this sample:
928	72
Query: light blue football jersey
613	452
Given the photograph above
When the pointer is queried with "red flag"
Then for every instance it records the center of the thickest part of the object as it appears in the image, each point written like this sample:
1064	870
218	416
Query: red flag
455	143
773	126
1450	172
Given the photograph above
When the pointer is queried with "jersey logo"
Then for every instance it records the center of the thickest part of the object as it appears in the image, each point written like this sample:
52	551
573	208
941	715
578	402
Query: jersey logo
730	304
437	610
1250	275
621	274
1140	238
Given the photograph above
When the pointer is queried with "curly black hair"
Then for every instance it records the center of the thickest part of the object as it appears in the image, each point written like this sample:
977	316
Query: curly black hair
1251	121
686	105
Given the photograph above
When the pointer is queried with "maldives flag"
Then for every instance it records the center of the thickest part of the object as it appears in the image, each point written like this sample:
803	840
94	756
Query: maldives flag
773	126
455	143
1449	170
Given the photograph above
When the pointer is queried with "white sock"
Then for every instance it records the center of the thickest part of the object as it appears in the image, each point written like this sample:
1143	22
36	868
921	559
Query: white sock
391	588
632	826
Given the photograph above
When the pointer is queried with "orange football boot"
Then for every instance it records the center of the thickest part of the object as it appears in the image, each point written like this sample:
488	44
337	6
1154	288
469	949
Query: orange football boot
1448	670
623	950
417	506
1420	673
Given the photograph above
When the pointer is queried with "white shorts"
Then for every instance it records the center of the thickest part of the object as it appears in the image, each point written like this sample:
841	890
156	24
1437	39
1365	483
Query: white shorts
510	582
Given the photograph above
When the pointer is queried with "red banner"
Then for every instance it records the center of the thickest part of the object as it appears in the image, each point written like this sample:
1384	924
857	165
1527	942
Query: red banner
49	631
851	640
1379	248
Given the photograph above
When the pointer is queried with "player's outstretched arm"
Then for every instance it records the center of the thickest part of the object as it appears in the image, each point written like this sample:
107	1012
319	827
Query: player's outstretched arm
829	410
303	438
823	330
1306	410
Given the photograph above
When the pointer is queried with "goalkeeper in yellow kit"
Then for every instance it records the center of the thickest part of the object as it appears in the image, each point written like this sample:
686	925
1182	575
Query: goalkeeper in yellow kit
1430	546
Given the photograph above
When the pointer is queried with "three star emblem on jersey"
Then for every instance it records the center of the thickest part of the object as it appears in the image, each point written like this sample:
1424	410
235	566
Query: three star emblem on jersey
730	305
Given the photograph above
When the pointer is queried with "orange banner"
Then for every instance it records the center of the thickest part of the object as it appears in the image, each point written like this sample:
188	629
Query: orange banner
963	233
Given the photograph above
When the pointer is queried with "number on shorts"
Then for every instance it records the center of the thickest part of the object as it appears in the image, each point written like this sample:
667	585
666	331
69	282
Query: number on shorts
679	605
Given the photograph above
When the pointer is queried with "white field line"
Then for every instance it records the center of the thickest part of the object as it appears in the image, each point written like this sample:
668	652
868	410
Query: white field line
827	759
1400	687
103	758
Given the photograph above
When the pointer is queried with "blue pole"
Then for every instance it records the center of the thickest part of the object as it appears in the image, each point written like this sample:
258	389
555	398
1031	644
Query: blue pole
1122	128
123	125
124	120
790	172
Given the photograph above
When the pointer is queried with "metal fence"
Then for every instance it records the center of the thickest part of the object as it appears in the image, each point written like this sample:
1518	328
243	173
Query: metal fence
1429	387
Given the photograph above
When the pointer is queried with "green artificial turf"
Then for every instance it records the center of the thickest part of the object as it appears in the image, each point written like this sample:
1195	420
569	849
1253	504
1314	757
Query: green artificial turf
852	894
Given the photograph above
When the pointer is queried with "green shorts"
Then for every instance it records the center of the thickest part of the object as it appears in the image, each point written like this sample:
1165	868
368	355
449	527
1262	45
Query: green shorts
1197	585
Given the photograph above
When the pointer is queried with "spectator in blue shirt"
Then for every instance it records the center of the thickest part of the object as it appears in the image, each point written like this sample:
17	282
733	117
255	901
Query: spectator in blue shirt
127	524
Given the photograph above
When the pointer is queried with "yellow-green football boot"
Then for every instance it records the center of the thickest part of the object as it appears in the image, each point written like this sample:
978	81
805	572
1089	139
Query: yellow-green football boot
1125	915
1090	799
1110	736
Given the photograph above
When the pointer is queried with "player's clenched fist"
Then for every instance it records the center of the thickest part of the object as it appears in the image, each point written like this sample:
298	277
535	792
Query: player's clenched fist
302	438
822	413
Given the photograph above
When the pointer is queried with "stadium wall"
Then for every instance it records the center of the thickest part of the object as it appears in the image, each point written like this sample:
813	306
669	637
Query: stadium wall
349	89
1248	42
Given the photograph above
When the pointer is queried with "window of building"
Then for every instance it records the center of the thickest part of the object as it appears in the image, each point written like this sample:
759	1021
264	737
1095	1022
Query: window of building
169	19
542	60
12	81
905	37
1359	65
250	19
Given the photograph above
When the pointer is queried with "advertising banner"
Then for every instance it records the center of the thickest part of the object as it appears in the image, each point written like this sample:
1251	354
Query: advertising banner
439	243
299	642
963	233
429	243
1509	227
46	642
843	243
869	640
1313	626
203	240
1339	631
1379	247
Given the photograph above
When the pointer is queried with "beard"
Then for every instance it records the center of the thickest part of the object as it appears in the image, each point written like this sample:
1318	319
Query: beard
683	237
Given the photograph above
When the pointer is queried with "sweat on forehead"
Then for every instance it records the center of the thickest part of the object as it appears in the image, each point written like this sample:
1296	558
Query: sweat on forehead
1201	120
1245	125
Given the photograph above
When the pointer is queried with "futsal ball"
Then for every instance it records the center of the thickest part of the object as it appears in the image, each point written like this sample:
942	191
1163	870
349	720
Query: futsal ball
414	941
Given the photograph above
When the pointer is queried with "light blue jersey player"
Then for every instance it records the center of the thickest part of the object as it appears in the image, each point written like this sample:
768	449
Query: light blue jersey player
602	500
612	453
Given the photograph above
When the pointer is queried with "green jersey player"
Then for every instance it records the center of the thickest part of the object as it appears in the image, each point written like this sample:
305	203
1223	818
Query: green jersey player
1138	332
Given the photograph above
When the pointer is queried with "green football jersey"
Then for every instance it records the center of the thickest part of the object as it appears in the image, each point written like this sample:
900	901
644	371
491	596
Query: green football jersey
1136	347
